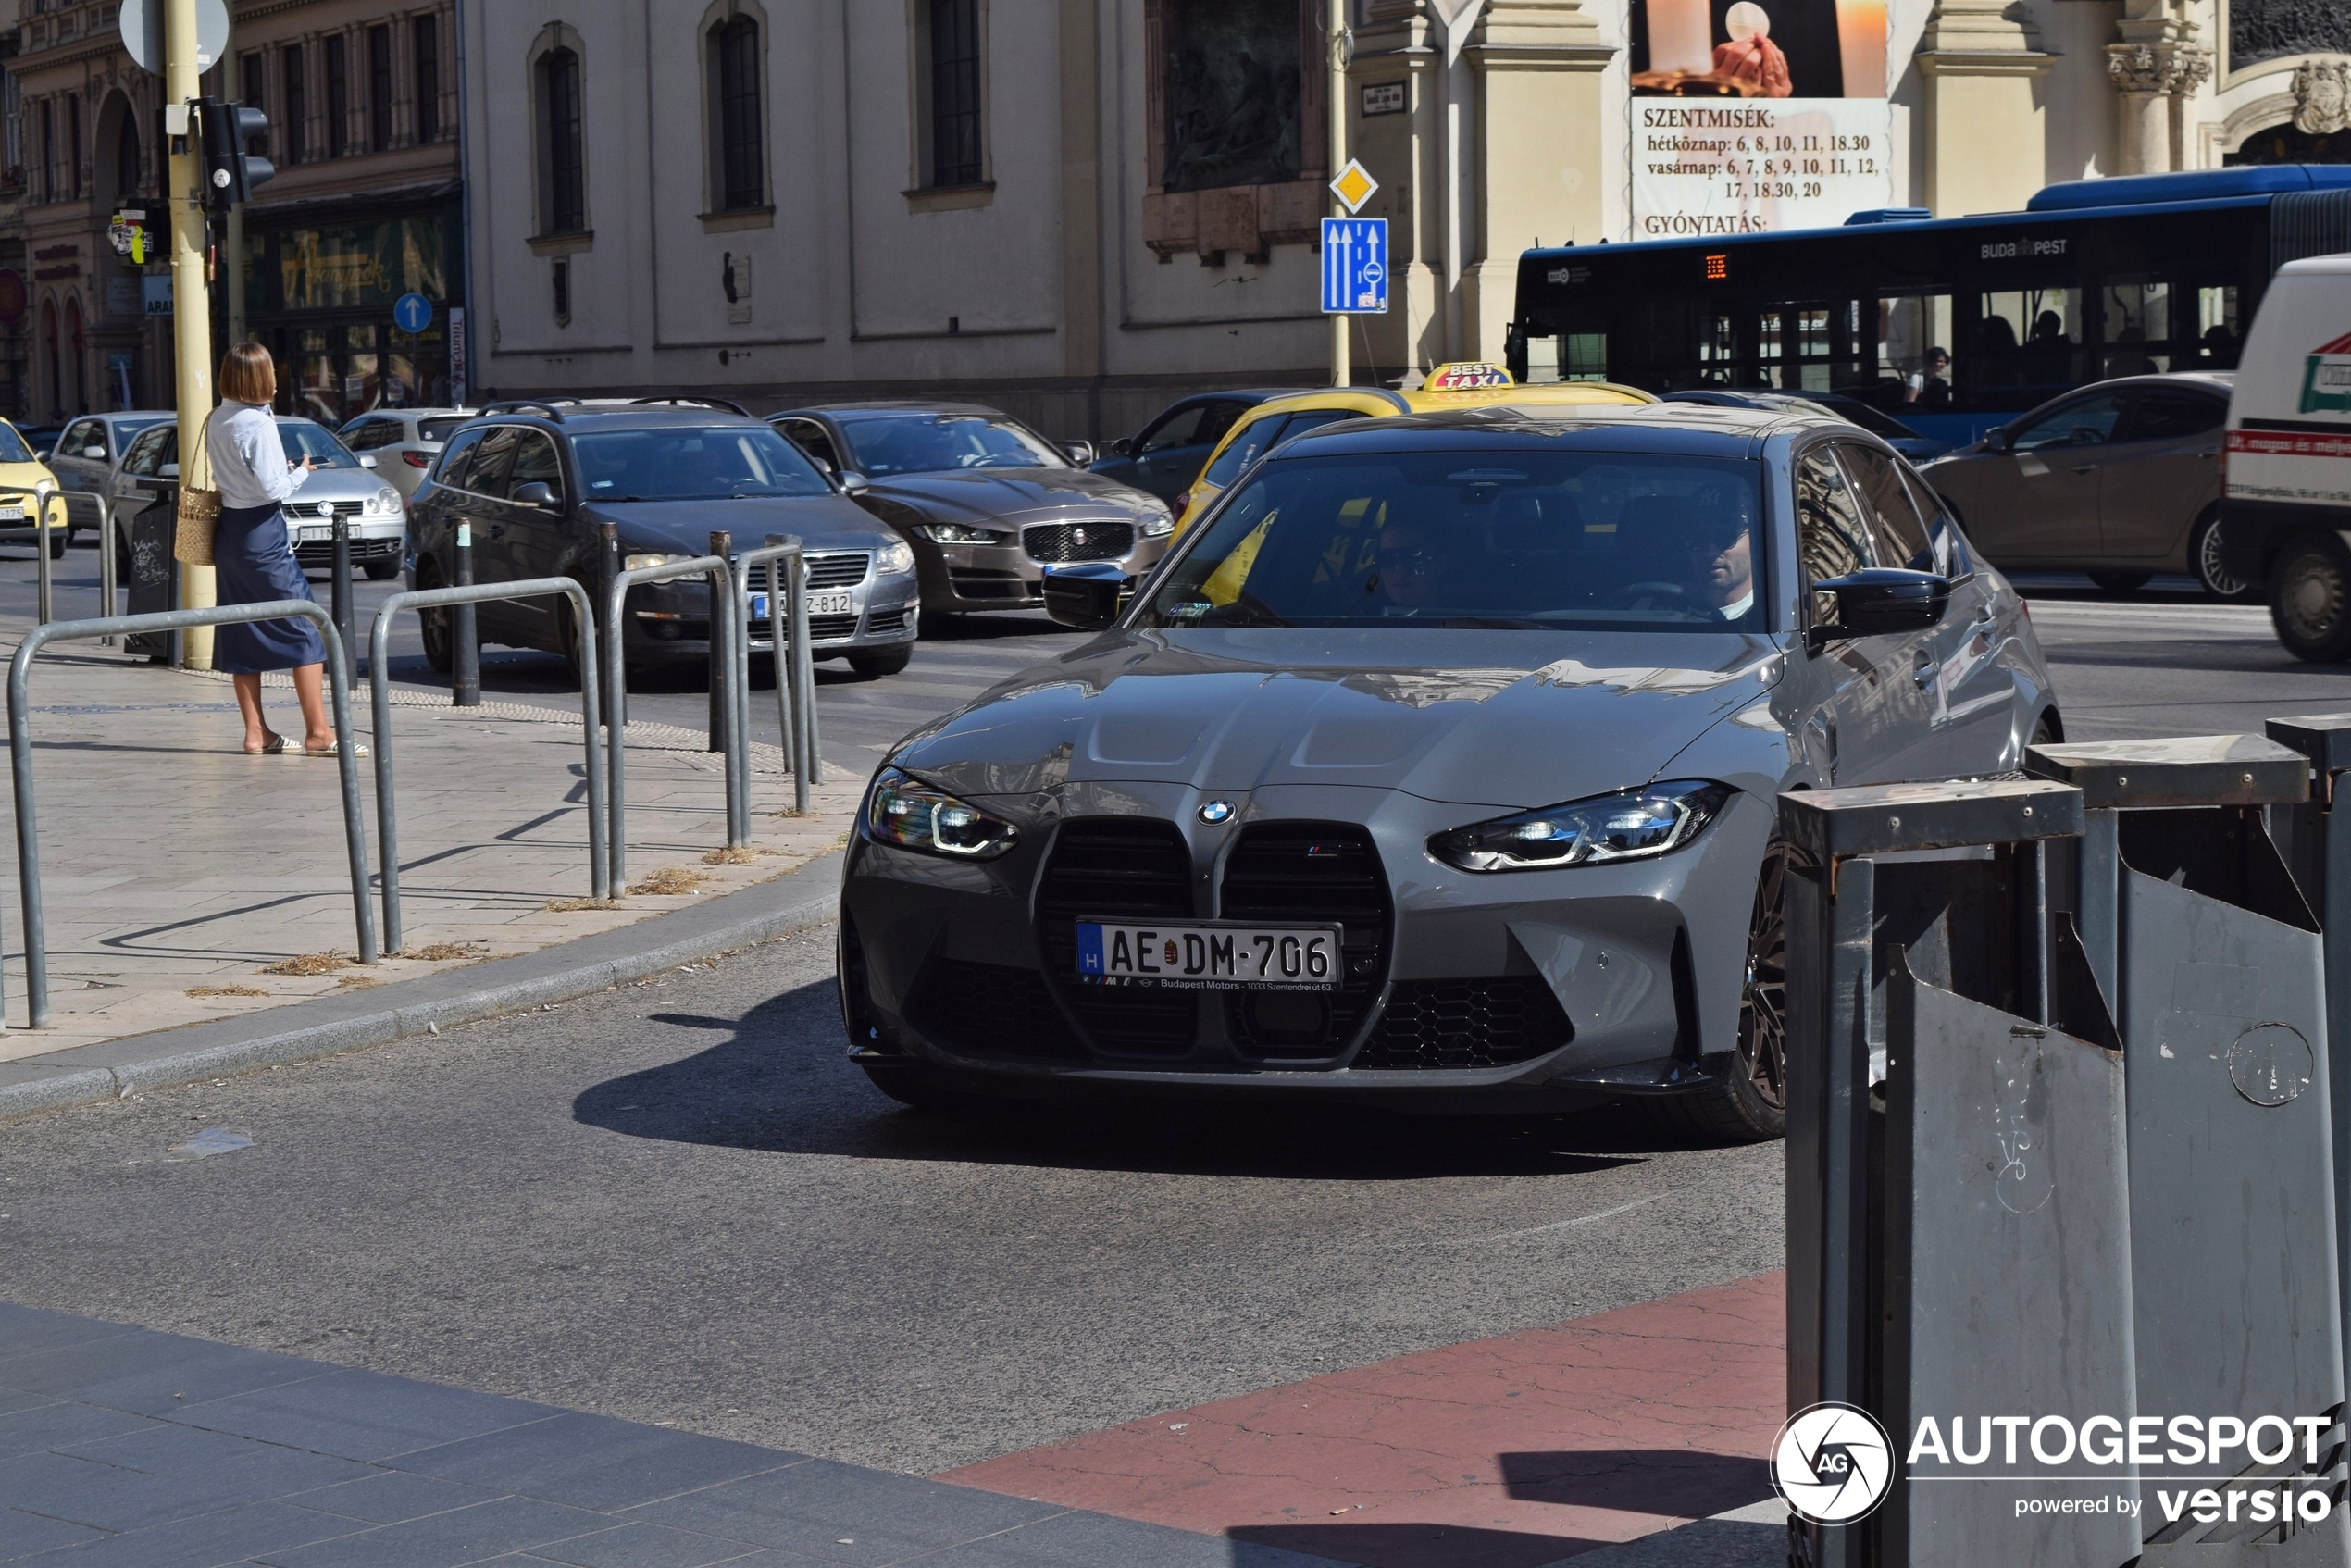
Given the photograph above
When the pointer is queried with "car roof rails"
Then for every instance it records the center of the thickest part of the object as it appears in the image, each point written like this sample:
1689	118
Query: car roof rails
731	406
551	407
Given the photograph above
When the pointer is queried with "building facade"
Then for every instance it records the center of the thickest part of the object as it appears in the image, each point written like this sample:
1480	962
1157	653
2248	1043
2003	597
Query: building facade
362	99
1075	208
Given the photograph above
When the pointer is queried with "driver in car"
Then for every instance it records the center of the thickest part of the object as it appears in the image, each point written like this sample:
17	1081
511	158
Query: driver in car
1721	550
1407	569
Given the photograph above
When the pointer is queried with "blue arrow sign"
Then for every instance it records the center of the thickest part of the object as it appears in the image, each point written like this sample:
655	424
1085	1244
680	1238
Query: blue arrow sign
412	314
1355	267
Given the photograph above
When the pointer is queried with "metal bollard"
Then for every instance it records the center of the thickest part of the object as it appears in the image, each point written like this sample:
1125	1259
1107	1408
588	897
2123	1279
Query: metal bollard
722	544
465	640
106	585
804	673
41	533
338	584
607	570
788	695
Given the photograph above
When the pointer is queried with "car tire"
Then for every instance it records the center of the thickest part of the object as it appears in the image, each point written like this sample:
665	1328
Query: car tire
1746	1101
2205	560
381	571
873	664
2121	583
434	625
2311	599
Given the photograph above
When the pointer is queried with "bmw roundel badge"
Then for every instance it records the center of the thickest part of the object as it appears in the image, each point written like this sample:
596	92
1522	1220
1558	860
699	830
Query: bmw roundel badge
1215	812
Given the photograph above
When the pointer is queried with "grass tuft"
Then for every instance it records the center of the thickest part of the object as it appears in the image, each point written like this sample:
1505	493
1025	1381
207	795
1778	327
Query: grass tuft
438	953
573	907
227	990
671	881
309	963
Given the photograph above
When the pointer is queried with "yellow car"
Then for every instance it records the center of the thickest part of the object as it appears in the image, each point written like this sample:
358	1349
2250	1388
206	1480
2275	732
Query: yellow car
29	499
1466	384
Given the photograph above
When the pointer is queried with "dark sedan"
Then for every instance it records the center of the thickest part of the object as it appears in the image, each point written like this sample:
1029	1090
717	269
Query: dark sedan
986	501
1167	454
536	481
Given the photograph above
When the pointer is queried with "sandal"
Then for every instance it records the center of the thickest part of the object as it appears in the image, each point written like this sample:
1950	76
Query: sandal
274	746
332	748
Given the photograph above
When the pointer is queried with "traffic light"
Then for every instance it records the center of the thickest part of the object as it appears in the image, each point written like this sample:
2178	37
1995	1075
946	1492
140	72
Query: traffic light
229	172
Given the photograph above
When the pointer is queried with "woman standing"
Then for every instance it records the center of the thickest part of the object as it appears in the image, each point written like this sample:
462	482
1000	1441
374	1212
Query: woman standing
255	560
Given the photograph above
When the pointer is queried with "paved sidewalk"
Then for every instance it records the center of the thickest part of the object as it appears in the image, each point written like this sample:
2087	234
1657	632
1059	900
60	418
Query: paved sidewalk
121	1448
182	876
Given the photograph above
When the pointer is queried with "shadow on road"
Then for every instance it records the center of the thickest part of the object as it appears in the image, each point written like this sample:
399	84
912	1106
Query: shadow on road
776	1081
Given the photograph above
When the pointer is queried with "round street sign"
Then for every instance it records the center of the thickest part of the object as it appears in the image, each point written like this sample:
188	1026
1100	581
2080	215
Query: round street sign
412	314
142	33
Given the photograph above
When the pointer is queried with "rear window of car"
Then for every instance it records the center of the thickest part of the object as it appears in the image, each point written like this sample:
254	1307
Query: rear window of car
1508	539
436	429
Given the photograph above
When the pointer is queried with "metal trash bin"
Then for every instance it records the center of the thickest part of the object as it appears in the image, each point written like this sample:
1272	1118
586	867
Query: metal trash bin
154	575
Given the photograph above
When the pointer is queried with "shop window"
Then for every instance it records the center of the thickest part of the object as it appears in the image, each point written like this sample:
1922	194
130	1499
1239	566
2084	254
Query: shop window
380	88
562	161
738	160
950	45
338	96
425	47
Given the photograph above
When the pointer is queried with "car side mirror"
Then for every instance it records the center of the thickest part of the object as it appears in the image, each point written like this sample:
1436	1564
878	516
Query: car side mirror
1996	438
367	461
170	470
94	452
1878	600
535	494
853	483
1086	595
1079	452
1123	447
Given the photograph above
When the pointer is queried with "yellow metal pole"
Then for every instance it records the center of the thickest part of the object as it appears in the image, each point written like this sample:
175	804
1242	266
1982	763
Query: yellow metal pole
191	303
1341	372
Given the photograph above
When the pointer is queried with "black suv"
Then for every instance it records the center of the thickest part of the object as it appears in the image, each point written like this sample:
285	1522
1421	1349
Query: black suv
535	479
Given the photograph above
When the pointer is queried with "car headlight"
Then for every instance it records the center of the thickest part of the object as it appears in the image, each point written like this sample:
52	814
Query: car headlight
1631	825
956	533
896	558
639	563
913	816
1157	525
388	500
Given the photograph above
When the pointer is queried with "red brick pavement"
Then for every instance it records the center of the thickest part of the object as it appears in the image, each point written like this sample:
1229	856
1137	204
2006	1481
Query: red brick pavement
1497	1453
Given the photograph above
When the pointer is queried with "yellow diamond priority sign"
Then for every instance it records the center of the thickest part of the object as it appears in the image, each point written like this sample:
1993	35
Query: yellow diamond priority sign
1354	186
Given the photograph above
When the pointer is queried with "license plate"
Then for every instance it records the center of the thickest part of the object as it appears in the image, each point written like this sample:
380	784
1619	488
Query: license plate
313	536
11	514
818	604
1191	956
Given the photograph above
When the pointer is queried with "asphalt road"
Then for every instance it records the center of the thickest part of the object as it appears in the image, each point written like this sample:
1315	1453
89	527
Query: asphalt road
676	1203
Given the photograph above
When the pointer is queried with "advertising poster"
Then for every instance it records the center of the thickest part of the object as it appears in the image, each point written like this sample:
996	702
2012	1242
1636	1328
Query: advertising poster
1756	115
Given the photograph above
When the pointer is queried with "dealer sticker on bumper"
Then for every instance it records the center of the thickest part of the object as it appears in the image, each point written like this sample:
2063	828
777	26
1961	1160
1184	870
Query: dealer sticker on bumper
1209	957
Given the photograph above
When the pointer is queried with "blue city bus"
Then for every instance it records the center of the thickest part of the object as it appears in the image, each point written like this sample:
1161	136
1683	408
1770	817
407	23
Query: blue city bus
2094	278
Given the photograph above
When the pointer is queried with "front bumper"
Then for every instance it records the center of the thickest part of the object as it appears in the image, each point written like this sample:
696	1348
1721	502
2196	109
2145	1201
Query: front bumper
958	578
1550	989
665	622
369	541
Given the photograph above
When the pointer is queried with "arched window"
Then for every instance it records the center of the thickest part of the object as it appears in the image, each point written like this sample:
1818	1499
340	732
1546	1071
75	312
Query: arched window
738	156
562	183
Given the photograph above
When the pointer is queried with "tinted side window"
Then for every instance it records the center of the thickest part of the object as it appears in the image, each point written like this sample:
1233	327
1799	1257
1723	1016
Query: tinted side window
1314	420
811	438
1895	528
1831	538
2084	422
457	458
537	462
370	434
1950	544
1219	419
2173	416
1179	429
486	475
142	457
81	433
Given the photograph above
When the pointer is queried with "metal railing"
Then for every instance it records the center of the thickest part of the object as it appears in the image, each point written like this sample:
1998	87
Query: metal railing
36	951
795	661
379	678
616	793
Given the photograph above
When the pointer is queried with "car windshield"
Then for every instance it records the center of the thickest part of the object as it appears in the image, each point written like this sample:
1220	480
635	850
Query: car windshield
302	439
672	463
437	429
12	446
930	444
1599	541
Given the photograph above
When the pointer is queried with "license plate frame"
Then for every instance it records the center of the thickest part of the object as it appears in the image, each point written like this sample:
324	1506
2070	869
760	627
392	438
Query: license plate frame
821	602
1223	955
11	514
325	535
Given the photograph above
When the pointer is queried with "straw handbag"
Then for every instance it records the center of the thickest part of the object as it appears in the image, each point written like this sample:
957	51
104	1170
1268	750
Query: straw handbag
199	507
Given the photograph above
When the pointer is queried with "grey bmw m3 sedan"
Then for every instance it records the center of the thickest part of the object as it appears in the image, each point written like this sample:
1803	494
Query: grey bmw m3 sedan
1436	766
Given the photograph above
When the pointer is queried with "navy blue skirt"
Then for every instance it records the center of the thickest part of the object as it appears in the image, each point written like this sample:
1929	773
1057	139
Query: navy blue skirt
253	564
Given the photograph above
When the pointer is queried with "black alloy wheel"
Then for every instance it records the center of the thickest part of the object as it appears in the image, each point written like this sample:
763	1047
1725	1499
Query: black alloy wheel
2311	599
1747	1100
2205	558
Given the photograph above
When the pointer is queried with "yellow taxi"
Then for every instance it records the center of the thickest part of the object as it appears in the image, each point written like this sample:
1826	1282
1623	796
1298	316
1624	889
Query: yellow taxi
1462	384
29	499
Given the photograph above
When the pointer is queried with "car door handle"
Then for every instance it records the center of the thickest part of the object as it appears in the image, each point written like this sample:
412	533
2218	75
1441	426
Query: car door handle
1925	669
2086	468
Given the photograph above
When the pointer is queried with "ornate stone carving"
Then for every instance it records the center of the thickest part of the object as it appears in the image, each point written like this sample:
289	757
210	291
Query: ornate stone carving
2322	96
2174	69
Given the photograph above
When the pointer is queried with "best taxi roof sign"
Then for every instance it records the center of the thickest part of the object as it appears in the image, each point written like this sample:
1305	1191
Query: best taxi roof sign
1467	375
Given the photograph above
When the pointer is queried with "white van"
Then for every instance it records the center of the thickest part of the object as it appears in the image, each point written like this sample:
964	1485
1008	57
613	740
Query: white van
2287	507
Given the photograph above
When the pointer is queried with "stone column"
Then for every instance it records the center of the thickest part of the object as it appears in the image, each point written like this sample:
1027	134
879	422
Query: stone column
1985	133
2156	67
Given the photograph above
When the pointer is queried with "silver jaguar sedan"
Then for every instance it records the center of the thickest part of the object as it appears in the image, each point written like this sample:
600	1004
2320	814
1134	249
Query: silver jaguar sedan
1436	766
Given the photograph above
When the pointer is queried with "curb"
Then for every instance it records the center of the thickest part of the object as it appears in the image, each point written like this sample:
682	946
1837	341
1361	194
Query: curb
327	1026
